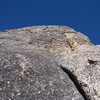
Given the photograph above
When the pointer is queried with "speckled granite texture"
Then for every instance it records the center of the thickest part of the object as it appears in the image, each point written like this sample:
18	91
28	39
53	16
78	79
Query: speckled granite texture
48	63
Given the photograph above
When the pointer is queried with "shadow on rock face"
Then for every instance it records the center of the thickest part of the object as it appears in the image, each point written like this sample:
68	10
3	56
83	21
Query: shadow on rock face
76	82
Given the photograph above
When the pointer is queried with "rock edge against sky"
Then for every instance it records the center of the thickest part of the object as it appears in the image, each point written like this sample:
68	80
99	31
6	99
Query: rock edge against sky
48	63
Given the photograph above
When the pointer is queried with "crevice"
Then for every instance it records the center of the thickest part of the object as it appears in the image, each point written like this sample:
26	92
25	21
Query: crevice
70	46
92	62
76	83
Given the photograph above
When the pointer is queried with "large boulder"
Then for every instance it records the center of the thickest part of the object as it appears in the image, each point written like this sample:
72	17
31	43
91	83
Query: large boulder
73	52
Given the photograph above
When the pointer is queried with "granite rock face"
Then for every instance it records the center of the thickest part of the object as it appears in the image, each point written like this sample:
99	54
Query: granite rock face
34	76
86	70
48	63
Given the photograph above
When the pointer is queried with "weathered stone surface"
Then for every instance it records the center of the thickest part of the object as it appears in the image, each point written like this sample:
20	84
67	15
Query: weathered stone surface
86	71
54	39
91	52
34	76
73	51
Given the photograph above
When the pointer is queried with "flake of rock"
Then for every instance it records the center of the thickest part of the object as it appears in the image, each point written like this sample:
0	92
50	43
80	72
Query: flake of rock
91	52
86	71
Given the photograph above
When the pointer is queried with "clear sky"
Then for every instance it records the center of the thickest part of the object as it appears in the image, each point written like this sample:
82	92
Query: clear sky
82	15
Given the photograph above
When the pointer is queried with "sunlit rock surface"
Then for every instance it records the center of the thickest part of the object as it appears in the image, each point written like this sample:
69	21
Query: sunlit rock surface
48	63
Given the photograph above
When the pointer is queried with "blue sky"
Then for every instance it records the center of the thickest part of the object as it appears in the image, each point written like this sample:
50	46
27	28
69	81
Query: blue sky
82	15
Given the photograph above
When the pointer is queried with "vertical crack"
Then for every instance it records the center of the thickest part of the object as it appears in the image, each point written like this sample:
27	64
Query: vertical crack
70	46
76	83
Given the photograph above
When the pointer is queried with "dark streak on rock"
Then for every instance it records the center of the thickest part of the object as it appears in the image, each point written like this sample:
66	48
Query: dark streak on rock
91	62
70	46
76	83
